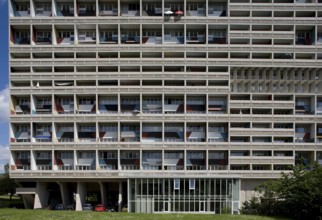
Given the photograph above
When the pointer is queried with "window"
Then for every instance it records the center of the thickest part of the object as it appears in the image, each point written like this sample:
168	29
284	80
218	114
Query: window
22	7
86	101
110	128
87	128
23	155
176	184
134	7
23	101
44	155
66	34
22	34
192	184
65	155
23	128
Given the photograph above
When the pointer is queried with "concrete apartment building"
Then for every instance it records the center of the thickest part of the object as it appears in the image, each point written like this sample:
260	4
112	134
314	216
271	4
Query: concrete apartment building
161	105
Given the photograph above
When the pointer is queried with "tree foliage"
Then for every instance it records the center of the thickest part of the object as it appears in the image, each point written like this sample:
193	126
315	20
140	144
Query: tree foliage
297	194
7	185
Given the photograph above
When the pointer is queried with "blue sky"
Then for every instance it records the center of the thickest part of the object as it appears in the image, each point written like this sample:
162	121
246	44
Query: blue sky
4	92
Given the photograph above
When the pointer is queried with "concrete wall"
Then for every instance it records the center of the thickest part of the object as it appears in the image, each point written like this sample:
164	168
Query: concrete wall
247	188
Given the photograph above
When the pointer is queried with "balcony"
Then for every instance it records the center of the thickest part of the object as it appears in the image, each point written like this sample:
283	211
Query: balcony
64	104
130	8
130	160
283	140
86	160
319	157
42	132
303	133
19	9
173	105
21	160
303	105
108	160
108	34
196	160
305	35
152	132
195	132
130	36
217	9
196	105
43	160
319	133
20	35
65	35
86	105
86	133
21	133
173	132
65	8
86	8
304	158
65	132
108	104
195	8
217	34
217	105
130	104
152	104
21	105
173	160
64	160
108	132
130	132
218	160
42	35
218	132
152	160
196	34
86	36
43	105
108	8
239	139
150	8
43	9
152	34
319	37
173	34
173	9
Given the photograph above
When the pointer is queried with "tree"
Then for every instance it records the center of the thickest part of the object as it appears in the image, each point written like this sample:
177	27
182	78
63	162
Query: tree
7	185
297	194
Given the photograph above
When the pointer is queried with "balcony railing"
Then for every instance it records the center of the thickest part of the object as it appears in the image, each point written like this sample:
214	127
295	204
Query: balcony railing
65	139
44	167
65	167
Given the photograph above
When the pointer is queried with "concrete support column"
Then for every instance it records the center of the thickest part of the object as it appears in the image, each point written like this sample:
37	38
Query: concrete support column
80	196
41	196
64	194
103	193
120	199
28	201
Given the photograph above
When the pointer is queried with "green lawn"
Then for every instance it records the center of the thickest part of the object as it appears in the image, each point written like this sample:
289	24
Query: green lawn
20	214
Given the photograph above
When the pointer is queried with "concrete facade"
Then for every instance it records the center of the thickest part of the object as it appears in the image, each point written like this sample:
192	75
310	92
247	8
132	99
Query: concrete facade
203	100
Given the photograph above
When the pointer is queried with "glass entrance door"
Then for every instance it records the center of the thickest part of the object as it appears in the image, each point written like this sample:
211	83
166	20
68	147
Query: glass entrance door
202	206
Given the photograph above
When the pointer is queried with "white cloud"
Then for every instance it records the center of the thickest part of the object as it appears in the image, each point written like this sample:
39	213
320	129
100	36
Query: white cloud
4	104
4	157
4	153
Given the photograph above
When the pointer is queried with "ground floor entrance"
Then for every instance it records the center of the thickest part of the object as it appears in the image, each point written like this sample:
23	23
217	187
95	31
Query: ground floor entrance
139	195
147	195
